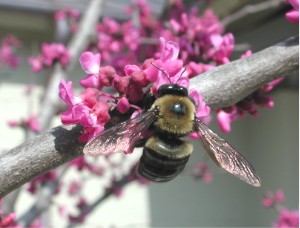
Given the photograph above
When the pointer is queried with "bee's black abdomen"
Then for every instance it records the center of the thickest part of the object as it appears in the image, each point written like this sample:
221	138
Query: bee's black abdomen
172	89
158	167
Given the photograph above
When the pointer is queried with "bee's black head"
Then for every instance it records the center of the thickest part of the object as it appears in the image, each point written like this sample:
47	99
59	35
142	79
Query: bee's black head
172	89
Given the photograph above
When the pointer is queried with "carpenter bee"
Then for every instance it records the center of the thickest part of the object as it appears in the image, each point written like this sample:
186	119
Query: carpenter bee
165	155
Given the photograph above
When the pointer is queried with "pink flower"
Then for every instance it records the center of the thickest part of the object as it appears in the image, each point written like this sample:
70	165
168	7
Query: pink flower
287	219
49	55
123	105
68	12
201	171
267	202
293	15
269	86
224	120
90	112
246	54
33	123
55	51
194	69
74	187
29	123
33	185
36	63
279	196
8	221
90	62
202	109
223	47
97	76
7	52
81	206
271	199
169	65
80	163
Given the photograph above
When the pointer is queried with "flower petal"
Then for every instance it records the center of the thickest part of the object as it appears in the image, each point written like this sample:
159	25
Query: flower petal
90	63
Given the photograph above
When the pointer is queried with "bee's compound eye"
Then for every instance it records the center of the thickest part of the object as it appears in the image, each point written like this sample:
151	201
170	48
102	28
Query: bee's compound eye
178	109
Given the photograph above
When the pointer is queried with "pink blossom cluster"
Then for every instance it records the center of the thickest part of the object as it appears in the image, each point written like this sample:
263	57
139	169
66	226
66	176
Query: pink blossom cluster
114	188
118	42
50	54
8	220
7	52
272	199
82	164
29	123
81	206
49	176
248	105
293	15
201	40
65	13
93	107
286	218
201	172
72	16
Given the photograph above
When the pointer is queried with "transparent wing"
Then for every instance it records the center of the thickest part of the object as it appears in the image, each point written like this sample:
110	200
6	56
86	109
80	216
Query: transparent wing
225	156
121	137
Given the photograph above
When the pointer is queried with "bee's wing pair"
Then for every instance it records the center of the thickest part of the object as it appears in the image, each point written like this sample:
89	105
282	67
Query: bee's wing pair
123	137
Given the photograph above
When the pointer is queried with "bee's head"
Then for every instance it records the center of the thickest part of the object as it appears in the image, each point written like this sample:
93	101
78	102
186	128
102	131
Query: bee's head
172	89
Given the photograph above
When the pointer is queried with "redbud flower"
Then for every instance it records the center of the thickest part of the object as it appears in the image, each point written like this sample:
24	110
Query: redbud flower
202	109
68	12
49	176
168	61
224	120
8	221
29	123
7	52
90	62
123	105
223	47
97	77
74	187
293	15
80	163
36	63
287	219
49	55
201	171
92	116
271	199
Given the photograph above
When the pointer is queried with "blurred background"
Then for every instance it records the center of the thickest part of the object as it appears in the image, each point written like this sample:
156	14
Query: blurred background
270	141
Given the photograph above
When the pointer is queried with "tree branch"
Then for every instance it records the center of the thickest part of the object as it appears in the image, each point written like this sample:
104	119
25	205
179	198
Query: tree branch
221	86
227	84
250	9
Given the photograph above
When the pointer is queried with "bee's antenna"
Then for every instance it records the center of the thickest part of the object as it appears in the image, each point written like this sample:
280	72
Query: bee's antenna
162	70
184	69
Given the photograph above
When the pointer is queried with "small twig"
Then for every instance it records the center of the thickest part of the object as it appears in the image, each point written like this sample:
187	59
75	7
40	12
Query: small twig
77	44
250	9
126	179
44	200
